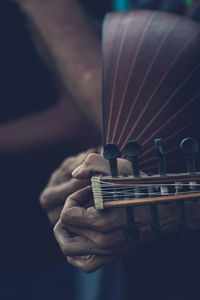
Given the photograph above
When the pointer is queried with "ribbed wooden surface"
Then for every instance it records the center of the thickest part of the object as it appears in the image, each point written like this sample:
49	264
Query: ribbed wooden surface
151	82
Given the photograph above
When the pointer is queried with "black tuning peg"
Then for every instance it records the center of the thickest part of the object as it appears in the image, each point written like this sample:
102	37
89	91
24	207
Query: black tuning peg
160	156
189	147
155	222
133	150
112	152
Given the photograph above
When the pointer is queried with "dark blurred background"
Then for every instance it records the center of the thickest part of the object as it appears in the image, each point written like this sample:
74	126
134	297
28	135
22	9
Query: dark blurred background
27	87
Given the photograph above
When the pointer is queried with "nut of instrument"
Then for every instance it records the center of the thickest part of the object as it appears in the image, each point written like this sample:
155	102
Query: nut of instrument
97	193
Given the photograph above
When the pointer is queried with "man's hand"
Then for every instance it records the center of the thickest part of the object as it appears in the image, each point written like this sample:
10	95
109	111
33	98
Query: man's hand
91	238
61	185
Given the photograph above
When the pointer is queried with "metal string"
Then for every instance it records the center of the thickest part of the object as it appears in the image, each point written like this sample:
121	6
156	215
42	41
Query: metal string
108	190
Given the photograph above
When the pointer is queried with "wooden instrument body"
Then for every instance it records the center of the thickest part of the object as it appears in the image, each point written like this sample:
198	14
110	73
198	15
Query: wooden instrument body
151	89
151	74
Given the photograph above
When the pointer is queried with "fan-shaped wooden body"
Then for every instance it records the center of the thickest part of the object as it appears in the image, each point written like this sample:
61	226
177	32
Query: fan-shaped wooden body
151	81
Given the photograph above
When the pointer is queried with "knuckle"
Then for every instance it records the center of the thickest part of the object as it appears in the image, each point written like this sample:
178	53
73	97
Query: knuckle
81	156
66	167
63	217
67	213
55	229
44	199
103	224
95	220
67	161
91	157
63	246
56	232
124	166
100	221
65	249
55	175
101	240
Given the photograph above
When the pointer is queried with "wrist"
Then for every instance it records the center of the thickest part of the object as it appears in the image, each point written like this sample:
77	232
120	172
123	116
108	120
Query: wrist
37	8
32	3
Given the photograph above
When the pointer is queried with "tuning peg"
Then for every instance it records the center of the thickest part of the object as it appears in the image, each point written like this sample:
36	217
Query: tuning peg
160	156
155	222
189	147
133	150
131	230
112	152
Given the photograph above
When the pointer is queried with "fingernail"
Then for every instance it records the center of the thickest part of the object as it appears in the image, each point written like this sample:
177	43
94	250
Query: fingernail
76	171
86	257
83	257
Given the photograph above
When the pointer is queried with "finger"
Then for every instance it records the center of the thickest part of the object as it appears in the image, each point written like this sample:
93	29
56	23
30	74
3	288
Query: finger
95	163
79	198
75	214
63	173
103	221
76	245
90	263
58	177
56	195
54	215
112	239
80	246
71	245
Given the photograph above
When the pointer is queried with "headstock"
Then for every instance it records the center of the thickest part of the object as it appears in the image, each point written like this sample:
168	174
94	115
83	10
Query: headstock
136	190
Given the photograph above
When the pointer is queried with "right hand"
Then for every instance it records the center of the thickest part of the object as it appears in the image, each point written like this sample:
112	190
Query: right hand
61	185
87	237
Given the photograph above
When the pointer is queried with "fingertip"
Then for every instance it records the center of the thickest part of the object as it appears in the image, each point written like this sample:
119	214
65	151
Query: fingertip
81	173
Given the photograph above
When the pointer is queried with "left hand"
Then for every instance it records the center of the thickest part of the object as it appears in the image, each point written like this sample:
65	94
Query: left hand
61	185
99	235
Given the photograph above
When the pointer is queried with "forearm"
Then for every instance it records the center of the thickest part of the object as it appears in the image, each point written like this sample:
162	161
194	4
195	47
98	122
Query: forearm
74	47
58	124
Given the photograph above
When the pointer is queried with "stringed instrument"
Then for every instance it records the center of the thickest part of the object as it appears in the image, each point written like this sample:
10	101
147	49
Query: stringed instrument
151	92
122	191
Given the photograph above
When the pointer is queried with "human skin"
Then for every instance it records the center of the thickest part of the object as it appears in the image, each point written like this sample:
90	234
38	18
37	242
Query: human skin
54	125
72	44
91	238
65	28
61	185
62	122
